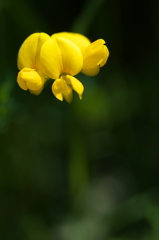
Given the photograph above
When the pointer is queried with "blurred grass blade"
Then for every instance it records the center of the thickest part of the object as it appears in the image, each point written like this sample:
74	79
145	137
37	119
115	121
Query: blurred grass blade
86	17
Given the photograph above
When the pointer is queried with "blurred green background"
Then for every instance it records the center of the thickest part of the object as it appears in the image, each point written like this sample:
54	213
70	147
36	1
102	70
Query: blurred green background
88	170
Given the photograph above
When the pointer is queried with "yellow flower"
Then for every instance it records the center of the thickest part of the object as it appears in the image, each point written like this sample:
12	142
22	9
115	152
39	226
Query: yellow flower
95	54
61	59
30	75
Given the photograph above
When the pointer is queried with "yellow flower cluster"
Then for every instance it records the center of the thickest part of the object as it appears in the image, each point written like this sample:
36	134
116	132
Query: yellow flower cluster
59	57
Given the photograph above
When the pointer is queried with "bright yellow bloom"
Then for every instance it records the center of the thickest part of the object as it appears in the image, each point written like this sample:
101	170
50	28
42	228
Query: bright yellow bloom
61	59
95	54
30	76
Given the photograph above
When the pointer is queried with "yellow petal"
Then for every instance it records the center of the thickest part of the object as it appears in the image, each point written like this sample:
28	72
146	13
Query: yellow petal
36	92
80	40
60	55
72	58
62	90
50	58
28	55
91	71
94	57
30	79
75	84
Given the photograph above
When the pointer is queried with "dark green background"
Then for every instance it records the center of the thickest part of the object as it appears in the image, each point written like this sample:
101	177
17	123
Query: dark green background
88	170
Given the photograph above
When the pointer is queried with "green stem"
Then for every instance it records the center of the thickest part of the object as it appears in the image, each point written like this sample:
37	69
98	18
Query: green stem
78	163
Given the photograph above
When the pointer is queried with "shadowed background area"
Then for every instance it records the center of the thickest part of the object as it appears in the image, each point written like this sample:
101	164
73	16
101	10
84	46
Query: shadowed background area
86	170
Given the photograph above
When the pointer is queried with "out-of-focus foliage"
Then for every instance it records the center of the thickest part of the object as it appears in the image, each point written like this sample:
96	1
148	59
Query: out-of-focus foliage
86	170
